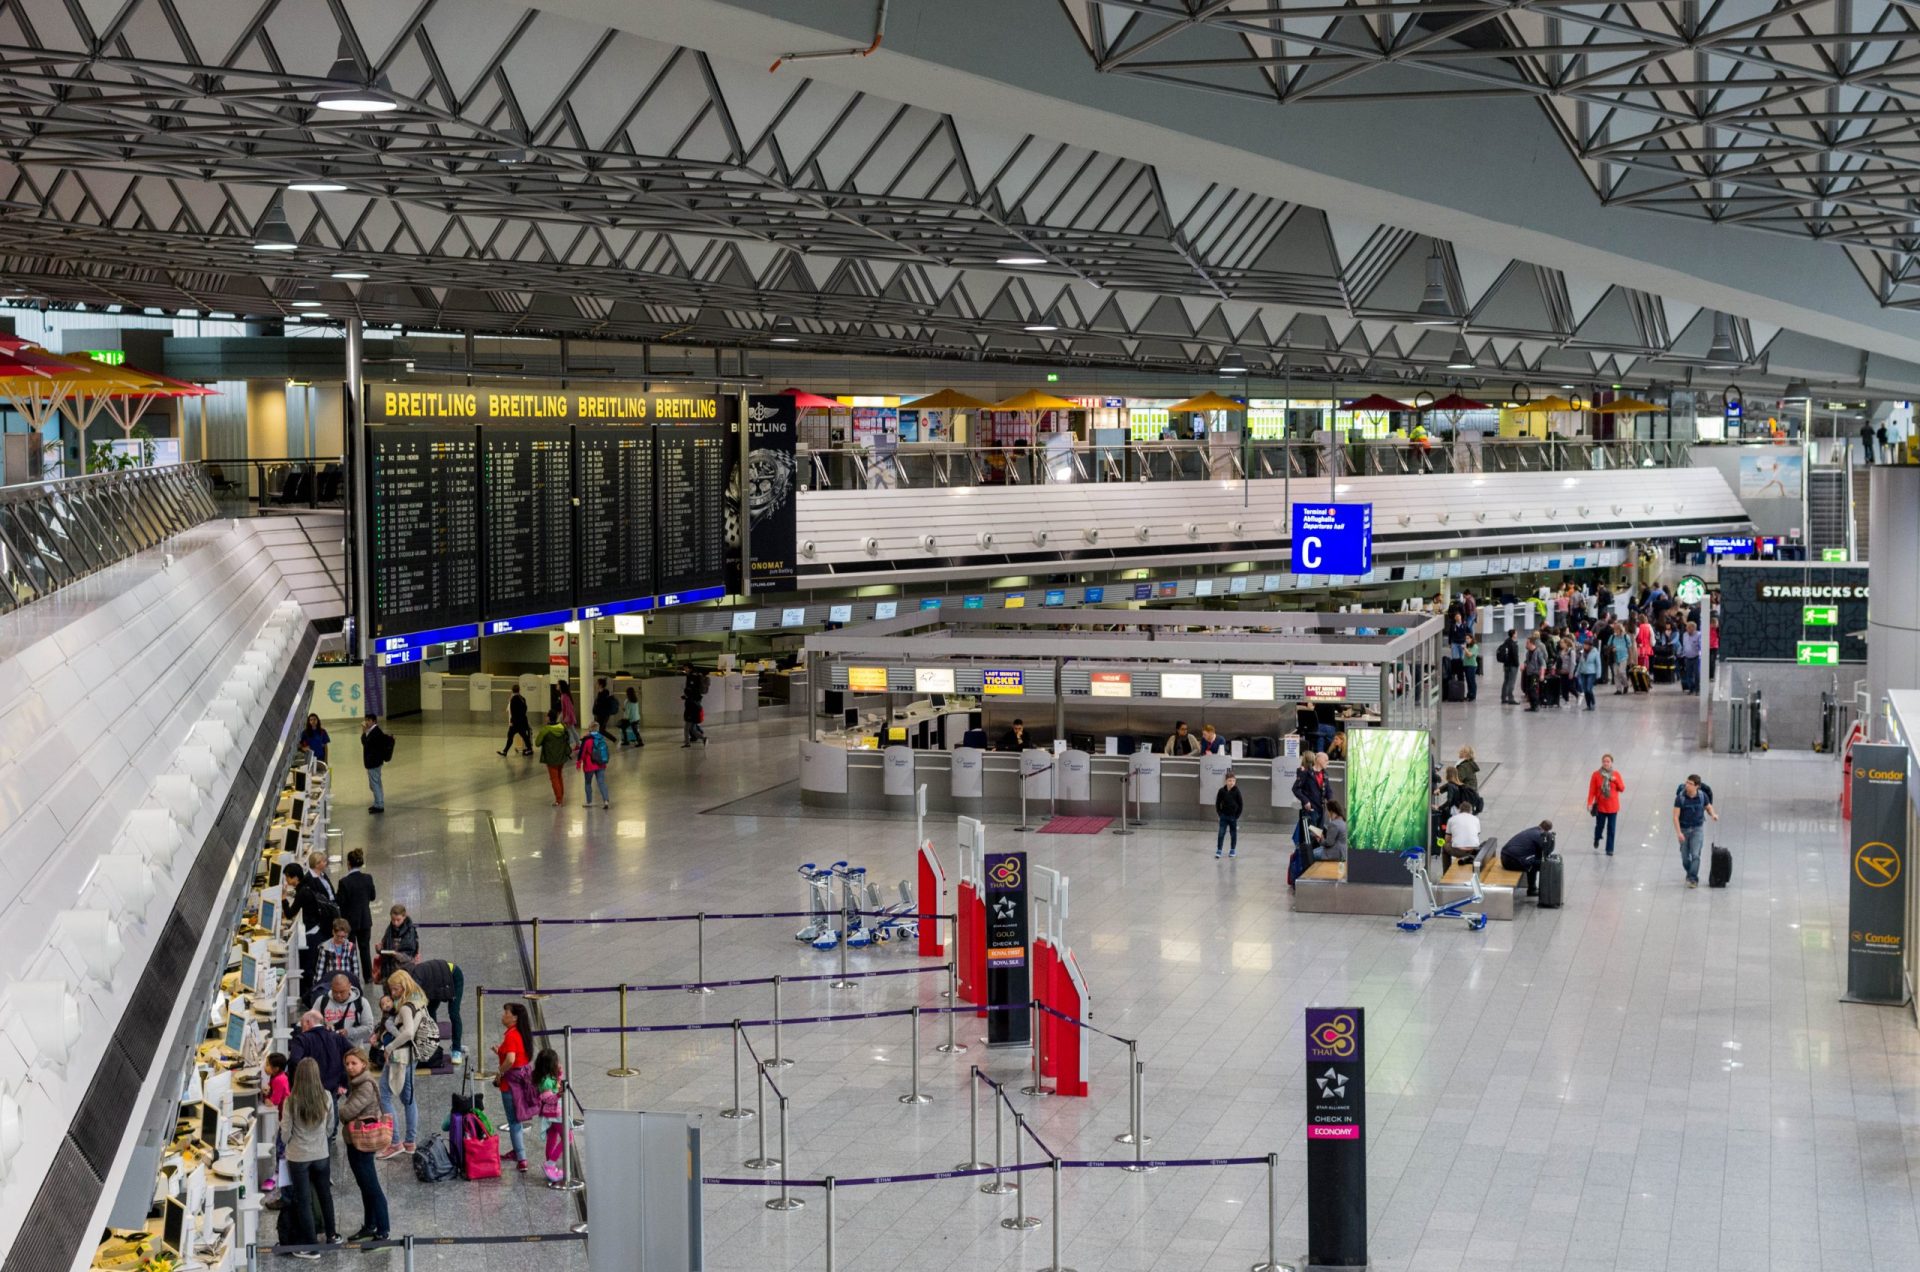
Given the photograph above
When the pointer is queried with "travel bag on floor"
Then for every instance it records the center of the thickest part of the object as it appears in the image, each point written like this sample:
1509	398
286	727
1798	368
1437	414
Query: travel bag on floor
1454	687
1553	882
1720	868
431	1160
481	1150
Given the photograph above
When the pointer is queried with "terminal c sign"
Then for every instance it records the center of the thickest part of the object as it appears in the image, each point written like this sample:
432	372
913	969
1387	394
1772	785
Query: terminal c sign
395	404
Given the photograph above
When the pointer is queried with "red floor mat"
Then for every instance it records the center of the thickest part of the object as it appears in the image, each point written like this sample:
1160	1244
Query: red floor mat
1076	825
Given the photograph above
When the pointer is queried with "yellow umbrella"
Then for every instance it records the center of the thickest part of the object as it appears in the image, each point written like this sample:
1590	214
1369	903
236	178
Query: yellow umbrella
96	387
946	400
1629	405
1208	401
1032	400
1548	404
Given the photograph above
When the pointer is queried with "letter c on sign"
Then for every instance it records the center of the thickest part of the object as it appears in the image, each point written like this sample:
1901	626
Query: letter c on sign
1309	557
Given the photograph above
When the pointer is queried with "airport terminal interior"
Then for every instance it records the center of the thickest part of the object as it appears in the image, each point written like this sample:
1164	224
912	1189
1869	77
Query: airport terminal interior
1120	635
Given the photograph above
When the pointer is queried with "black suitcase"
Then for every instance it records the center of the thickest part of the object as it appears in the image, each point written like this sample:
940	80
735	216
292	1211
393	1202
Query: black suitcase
1720	867
1454	687
1553	882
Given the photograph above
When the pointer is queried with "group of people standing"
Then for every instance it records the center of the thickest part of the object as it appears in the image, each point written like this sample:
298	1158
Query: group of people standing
564	739
1561	665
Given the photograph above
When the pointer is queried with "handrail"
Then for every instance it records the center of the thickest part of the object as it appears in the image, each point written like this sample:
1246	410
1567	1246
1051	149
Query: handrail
56	532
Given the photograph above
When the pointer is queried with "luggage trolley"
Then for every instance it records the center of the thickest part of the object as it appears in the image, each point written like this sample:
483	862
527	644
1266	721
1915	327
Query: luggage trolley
1426	906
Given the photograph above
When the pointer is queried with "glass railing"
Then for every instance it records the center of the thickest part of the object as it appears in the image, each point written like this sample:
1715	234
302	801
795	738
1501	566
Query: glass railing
930	465
260	487
54	532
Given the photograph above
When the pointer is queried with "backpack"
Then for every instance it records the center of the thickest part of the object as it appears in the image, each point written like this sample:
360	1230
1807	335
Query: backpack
426	1040
600	753
386	746
1507	655
432	1161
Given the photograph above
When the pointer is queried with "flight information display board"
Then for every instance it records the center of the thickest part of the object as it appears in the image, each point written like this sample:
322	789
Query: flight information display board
690	513
526	518
423	528
615	560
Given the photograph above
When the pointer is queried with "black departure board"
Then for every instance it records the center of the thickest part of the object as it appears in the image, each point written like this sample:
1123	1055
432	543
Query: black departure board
423	527
526	518
615	560
690	514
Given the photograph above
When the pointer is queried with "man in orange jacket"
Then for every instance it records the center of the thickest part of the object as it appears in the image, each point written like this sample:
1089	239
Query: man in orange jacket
1603	800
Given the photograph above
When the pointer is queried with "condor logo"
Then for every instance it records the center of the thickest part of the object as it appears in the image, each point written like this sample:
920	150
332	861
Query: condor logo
1876	864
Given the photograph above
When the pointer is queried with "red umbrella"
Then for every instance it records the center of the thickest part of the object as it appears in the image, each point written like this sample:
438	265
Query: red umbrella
1454	402
1374	403
804	400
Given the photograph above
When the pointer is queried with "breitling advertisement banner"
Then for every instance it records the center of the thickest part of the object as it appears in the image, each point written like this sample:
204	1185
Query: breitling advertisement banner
410	404
770	484
1877	869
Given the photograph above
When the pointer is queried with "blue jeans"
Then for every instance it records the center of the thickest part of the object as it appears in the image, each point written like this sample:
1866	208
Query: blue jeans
600	776
1229	828
407	1100
1586	687
517	1133
1604	821
1690	837
374	785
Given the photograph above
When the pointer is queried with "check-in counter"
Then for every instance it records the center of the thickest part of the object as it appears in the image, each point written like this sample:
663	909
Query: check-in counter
836	775
732	697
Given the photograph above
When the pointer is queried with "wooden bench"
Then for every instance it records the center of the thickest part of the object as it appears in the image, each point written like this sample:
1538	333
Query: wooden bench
1323	888
1498	886
1332	871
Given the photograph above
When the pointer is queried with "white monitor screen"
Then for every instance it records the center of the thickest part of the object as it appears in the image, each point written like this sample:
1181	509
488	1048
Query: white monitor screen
933	679
794	617
884	610
840	614
1180	684
1252	688
743	620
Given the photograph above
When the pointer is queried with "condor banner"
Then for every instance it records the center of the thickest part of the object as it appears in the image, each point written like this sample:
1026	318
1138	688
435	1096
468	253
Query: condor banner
770	485
1877	898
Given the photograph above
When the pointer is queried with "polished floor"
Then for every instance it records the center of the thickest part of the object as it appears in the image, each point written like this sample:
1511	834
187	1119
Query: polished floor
1649	1078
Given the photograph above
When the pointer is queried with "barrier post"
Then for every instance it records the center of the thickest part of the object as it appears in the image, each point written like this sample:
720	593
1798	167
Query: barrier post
1020	1220
406	1254
846	929
700	956
777	1062
1038	1086
953	943
1273	1214
762	1162
1140	1139
827	1183
783	1201
736	1111
1132	1132
973	1161
1056	1265
566	1183
480	1030
624	1070
950	1047
534	990
253	1257
1126	785
913	1096
996	1186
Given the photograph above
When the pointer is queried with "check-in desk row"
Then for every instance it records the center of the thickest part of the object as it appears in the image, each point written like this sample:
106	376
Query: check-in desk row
481	697
969	780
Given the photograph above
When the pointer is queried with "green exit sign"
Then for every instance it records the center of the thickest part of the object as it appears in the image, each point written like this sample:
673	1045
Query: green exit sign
1053	377
111	357
1833	554
1819	616
1818	653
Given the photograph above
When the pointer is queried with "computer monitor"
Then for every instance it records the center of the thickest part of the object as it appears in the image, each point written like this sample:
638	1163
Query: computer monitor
290	842
249	972
273	872
236	1027
853	717
939	701
299	813
269	915
210	1125
300	779
173	1227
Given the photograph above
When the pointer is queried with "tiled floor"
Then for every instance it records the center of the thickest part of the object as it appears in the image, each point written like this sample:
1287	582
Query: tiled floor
1649	1078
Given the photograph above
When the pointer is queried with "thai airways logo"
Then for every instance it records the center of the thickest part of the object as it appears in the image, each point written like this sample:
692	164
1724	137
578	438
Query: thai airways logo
1334	1037
1005	873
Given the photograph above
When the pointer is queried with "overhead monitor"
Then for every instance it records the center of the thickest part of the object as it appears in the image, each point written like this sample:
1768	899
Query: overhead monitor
933	679
1252	687
1180	684
840	613
884	610
743	620
794	616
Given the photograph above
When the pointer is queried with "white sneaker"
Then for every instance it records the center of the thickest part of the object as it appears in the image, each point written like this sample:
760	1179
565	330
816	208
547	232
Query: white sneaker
459	1058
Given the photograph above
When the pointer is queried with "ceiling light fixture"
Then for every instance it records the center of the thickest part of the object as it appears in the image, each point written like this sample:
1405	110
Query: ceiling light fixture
784	332
350	275
1041	326
274	234
1797	390
1461	359
1021	260
316	187
1435	308
1723	352
354	91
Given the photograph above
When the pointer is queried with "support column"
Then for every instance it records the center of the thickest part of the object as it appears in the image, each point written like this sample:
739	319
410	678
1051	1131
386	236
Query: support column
354	435
1893	604
583	692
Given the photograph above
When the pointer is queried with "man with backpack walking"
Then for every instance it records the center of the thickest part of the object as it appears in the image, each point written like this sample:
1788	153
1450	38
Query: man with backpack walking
592	759
605	706
1692	805
517	723
692	711
376	748
1508	656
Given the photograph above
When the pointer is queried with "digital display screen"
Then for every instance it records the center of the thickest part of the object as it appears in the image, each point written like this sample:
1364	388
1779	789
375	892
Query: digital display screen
743	620
526	520
1180	684
840	614
422	527
794	617
883	610
615	473
1252	688
690	546
933	679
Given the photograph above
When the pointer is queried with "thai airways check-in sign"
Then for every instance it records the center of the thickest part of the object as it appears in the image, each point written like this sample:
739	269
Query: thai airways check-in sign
1332	538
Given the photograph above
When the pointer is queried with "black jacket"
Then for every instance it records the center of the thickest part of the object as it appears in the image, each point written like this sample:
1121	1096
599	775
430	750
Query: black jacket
1526	850
1508	655
1310	793
326	1049
434	976
605	705
517	709
1455	792
313	909
355	897
401	939
1022	743
1229	802
373	747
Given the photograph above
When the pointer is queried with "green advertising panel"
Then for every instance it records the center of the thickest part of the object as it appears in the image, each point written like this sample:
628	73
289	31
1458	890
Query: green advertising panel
1389	779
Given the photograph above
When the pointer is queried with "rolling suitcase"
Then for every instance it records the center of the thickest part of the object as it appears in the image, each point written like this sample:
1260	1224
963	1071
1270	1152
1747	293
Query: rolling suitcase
1642	683
1553	882
1719	867
1454	687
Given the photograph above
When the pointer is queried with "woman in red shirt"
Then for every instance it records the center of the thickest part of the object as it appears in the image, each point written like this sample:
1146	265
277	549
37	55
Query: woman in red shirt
512	1052
1603	800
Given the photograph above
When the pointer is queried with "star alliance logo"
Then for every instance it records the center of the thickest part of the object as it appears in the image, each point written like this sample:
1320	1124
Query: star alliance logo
1332	1085
1004	909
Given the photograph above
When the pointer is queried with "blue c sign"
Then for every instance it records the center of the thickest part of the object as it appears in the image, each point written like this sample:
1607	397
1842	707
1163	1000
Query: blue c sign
1332	538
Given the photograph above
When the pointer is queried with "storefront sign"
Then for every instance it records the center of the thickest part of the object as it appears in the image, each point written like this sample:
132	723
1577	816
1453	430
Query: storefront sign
1252	688
1817	653
1877	888
1332	538
933	680
1813	591
1336	1078
1005	876
867	679
1003	684
1819	616
1326	688
1722	546
1180	684
1690	590
1111	684
770	486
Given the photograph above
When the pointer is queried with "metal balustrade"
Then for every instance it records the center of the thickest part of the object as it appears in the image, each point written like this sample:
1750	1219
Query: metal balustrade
934	465
55	532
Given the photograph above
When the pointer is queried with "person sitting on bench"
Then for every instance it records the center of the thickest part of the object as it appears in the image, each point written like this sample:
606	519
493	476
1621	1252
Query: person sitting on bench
1463	834
1330	841
1526	850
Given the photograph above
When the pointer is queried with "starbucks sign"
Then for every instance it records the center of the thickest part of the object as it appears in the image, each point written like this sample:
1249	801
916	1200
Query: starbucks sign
1691	590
